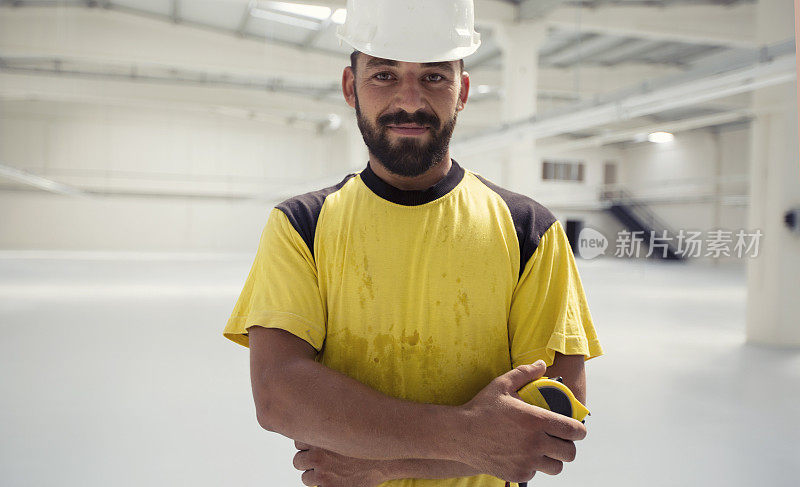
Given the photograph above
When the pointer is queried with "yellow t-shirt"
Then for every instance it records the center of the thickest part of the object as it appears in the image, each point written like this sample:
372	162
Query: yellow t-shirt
422	295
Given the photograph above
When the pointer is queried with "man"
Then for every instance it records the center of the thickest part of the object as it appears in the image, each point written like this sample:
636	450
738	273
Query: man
392	318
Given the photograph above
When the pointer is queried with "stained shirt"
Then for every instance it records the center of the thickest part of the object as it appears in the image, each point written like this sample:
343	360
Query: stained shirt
422	295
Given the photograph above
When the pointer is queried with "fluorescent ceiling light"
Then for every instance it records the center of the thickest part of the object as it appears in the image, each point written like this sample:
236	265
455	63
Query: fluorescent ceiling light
660	137
284	19
339	16
313	11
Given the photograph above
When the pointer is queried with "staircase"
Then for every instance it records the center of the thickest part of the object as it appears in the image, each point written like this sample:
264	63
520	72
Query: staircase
637	217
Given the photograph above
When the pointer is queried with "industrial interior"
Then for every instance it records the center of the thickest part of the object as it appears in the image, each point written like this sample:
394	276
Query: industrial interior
144	142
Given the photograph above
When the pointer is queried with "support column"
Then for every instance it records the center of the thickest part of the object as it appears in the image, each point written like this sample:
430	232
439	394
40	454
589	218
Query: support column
773	278
520	43
357	154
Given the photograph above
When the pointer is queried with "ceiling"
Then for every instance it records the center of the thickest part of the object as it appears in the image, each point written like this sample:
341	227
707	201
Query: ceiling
570	46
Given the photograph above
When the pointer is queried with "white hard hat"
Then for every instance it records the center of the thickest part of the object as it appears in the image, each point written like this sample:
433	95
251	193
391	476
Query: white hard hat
416	31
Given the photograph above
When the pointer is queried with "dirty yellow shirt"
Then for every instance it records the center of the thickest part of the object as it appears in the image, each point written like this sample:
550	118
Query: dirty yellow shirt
423	295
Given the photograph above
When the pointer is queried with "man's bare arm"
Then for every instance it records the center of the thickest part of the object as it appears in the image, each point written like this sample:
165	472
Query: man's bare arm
302	399
326	467
373	472
416	468
571	369
305	400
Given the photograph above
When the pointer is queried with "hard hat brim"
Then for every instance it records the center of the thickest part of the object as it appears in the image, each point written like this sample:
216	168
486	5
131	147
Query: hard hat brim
396	53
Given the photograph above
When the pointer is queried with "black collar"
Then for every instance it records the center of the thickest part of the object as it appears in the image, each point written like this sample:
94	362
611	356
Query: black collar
413	197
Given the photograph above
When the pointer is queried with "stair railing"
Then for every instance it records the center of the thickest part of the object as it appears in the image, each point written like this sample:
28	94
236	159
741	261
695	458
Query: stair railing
619	195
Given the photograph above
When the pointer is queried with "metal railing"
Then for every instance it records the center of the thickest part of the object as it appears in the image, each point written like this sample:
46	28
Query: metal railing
640	211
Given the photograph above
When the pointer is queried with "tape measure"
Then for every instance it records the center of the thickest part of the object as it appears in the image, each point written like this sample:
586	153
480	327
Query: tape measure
553	395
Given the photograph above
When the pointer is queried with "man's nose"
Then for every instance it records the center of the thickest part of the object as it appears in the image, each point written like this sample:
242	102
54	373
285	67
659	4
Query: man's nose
409	95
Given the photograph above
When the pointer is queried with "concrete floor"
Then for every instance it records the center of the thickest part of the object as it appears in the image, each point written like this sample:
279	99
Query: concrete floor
115	372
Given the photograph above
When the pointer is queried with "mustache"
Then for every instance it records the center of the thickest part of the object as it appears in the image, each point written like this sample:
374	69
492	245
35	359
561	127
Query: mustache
419	117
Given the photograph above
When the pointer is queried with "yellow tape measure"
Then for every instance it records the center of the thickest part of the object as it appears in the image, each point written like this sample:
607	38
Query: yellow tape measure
553	395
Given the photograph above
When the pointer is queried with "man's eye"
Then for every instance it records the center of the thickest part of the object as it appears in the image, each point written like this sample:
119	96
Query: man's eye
435	77
383	76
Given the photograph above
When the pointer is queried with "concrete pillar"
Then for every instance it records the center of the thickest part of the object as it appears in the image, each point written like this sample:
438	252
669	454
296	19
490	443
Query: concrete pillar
773	278
520	43
357	155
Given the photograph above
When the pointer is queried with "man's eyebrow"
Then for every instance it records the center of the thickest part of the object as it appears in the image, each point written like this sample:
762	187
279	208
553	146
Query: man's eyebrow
439	64
377	61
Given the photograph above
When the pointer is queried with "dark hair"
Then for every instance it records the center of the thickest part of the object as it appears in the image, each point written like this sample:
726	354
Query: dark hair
354	56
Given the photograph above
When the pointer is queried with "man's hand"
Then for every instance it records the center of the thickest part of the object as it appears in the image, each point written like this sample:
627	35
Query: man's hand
512	440
325	468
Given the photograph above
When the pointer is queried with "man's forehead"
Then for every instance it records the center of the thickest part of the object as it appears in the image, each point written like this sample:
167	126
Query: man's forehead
372	61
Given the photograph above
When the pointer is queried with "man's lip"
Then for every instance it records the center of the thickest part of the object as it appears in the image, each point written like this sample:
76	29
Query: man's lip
405	129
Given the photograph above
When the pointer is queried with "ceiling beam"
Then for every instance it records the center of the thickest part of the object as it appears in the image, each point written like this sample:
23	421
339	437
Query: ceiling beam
688	90
582	50
45	184
312	36
176	11
701	24
242	28
631	48
154	73
589	81
634	134
191	98
537	9
103	36
486	54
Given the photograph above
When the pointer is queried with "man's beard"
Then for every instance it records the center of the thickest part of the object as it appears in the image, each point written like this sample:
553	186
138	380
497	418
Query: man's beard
408	157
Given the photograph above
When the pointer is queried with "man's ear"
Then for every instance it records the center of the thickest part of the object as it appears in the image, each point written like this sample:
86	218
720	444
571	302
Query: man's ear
348	86
463	95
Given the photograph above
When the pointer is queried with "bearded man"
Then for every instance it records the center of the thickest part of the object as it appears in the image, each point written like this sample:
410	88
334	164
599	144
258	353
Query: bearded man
392	318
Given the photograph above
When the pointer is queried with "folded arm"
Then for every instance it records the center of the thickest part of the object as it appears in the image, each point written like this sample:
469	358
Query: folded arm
426	469
307	401
324	466
494	432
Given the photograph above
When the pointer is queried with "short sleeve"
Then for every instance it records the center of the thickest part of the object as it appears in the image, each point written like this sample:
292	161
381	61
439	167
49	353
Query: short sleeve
281	290
549	312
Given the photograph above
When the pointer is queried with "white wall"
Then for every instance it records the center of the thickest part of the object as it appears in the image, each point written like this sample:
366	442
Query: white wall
152	150
677	173
690	182
572	200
